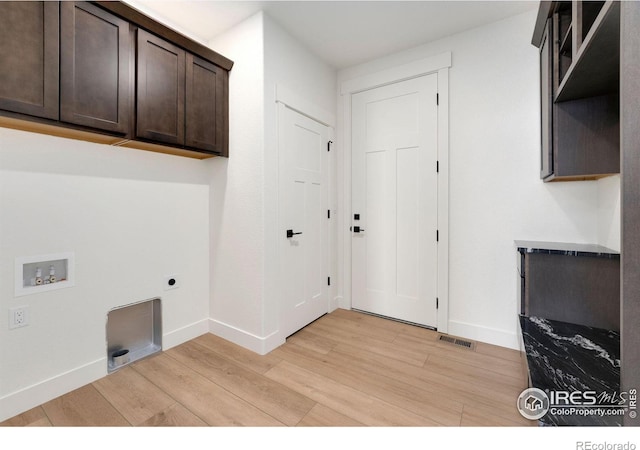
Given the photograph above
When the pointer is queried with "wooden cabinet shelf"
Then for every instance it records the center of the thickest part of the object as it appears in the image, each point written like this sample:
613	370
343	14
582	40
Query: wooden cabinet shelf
76	66
181	98
589	11
579	62
595	69
616	23
567	43
576	283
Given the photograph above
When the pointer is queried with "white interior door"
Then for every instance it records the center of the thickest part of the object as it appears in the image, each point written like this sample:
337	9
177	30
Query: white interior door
394	194
303	219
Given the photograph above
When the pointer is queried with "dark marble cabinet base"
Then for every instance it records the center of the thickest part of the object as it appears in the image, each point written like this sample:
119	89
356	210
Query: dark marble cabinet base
568	357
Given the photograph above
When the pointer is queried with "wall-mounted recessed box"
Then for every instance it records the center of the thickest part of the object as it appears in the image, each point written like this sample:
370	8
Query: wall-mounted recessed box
42	273
133	332
171	282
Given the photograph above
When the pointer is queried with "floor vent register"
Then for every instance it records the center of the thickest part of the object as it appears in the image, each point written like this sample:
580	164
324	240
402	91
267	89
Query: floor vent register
458	342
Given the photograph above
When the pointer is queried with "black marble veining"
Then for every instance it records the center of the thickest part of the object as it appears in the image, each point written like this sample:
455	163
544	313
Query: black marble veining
563	248
569	357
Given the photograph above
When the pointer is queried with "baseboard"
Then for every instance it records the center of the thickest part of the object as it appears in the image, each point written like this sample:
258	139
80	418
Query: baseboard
336	303
493	336
257	344
343	302
39	393
185	334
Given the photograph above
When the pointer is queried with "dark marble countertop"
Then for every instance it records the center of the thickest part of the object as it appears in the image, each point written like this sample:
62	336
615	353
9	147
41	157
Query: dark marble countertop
565	248
568	357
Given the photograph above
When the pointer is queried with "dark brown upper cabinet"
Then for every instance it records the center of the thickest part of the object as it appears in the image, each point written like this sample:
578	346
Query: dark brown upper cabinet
206	105
181	98
106	73
160	81
95	54
29	58
579	71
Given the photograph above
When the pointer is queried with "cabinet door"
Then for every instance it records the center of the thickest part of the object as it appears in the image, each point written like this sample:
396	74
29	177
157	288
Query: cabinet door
29	58
205	105
546	103
95	52
160	90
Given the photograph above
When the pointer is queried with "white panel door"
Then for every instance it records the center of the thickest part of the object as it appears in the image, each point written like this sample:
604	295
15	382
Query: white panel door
303	219
394	192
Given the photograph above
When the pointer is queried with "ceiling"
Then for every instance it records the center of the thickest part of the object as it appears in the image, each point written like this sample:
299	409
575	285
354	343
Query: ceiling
342	33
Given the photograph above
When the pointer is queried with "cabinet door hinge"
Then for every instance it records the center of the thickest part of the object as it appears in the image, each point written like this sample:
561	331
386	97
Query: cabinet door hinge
329	145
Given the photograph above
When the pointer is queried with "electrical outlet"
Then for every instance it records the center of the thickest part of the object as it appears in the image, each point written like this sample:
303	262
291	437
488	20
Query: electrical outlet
171	282
18	317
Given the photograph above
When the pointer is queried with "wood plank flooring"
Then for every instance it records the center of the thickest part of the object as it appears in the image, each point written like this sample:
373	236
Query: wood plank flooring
345	369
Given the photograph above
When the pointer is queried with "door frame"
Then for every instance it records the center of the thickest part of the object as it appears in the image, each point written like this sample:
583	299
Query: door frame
438	64
288	99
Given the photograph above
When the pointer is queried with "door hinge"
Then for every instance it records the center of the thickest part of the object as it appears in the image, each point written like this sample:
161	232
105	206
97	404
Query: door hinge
328	281
437	99
437	303
328	214
329	145
437	235
437	166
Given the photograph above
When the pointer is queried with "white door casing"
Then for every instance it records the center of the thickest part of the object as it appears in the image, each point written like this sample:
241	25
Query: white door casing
303	208
394	192
438	64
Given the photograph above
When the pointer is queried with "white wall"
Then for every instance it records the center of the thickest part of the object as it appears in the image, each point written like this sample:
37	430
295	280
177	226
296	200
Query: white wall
496	195
237	194
609	212
244	188
131	217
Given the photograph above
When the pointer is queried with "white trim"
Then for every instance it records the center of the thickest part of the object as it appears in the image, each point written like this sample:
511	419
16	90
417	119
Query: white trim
397	74
489	335
257	344
304	107
443	200
439	64
335	303
23	400
346	190
184	334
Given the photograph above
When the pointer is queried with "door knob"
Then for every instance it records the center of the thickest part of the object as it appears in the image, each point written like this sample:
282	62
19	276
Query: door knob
357	229
290	233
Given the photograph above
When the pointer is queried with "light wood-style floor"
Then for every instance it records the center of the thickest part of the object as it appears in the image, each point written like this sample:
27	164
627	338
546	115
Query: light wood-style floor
345	369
